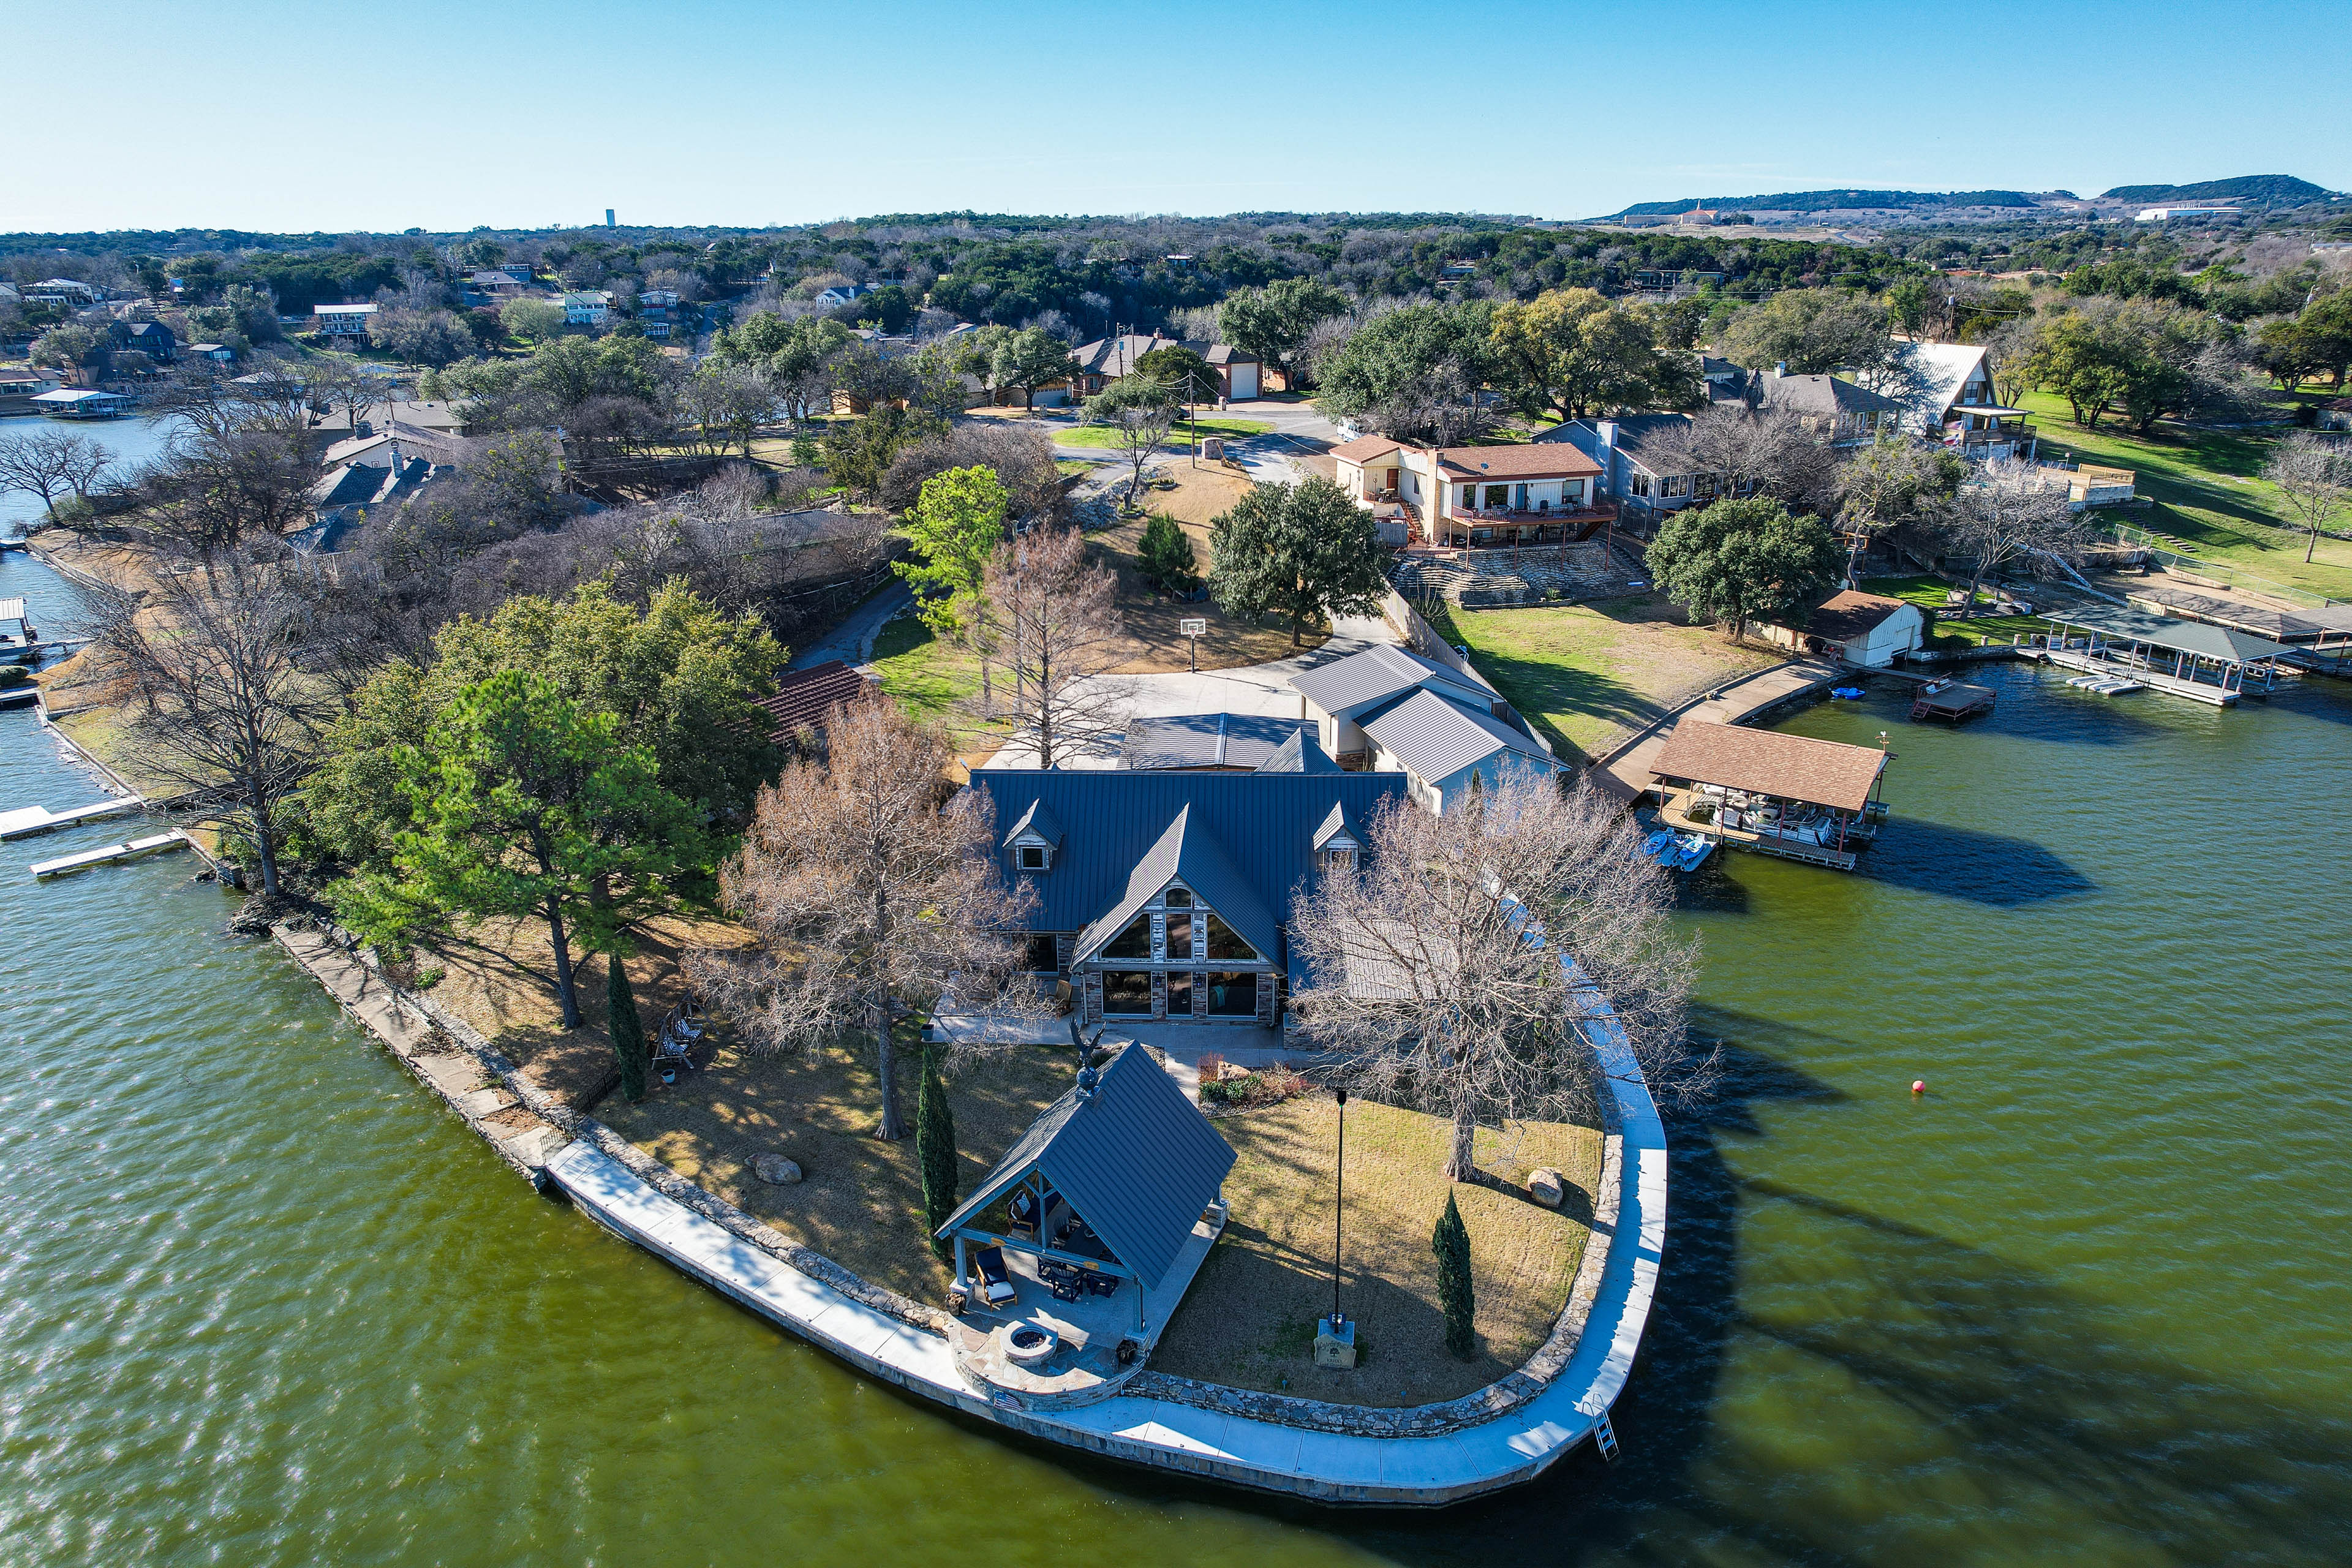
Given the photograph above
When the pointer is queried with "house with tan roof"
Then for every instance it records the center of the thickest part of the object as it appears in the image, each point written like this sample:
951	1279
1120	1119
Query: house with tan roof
1869	631
1482	497
1106	360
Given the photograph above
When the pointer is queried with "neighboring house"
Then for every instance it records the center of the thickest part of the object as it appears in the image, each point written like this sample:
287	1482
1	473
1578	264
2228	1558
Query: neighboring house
1867	630
1958	405
379	447
587	308
1167	894
1388	709
659	299
841	294
1540	492
67	289
1106	360
804	697
152	339
1645	461
1231	742
343	321
2159	215
20	384
1847	414
2337	415
335	425
219	354
344	498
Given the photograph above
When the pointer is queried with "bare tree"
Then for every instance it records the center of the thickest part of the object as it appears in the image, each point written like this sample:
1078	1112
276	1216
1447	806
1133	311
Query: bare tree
1045	612
1769	451
2009	511
2314	473
1471	964
1140	412
1891	481
50	463
343	383
219	705
873	888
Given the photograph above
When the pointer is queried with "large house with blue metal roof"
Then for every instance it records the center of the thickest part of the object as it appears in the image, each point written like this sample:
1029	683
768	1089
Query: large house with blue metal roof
1167	894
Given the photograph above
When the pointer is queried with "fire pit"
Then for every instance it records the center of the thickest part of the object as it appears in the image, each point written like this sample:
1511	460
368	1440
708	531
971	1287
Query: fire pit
1027	1345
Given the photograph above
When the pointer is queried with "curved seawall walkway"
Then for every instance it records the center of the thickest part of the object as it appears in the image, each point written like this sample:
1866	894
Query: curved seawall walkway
1251	1450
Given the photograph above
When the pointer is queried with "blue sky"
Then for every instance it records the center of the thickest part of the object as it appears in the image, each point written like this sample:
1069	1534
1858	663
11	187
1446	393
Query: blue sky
271	115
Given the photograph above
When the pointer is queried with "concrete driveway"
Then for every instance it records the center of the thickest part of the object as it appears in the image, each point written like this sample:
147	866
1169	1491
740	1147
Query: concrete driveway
852	641
1257	688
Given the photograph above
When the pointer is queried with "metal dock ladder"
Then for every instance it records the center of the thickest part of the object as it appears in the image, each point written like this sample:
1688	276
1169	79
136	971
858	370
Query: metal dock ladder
1604	1438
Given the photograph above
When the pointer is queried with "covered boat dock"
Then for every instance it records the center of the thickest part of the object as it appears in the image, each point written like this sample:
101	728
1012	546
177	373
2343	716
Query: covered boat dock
2188	659
1816	801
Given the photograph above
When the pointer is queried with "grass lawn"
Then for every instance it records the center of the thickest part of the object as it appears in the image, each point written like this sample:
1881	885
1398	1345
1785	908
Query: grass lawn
1249	1318
1590	673
1069	467
2206	497
1929	593
1155	641
933	680
1109	436
862	1203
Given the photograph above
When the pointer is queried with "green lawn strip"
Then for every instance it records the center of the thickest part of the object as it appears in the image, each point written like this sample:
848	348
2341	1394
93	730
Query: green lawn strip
1927	593
931	680
1584	675
1069	467
1107	435
2208	496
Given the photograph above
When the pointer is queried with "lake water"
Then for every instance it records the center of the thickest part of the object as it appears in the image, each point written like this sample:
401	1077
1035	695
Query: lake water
261	1302
133	440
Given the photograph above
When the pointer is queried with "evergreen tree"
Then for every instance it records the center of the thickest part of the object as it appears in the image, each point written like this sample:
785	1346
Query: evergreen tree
627	1031
1451	1242
1165	555
935	1152
1301	553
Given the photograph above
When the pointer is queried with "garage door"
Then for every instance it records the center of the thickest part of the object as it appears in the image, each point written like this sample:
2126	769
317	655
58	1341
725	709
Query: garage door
1244	381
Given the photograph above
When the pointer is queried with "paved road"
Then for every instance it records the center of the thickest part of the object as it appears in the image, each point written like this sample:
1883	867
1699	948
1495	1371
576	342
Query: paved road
852	641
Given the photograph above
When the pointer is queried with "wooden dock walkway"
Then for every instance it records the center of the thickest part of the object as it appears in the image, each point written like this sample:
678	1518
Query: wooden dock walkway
132	849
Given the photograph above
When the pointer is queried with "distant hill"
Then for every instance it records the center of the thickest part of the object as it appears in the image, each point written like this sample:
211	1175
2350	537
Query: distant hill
2259	190
1827	200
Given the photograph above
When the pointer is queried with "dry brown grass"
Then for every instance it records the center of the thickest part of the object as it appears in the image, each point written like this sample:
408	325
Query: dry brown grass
1249	1318
1155	641
503	985
862	1203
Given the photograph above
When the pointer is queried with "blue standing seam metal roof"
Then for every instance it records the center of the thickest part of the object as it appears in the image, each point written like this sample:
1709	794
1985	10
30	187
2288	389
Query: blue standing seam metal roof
1378	674
1264	823
1435	739
1302	753
1136	1158
1192	854
1038	822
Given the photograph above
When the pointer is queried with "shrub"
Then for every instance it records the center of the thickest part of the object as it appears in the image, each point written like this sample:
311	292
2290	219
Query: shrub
1165	555
1455	1292
14	675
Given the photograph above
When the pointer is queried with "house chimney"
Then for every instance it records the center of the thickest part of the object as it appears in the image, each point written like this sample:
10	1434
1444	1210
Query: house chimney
1780	369
1607	430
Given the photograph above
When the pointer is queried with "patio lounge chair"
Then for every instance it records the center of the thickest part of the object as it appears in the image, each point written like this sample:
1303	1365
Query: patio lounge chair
995	1278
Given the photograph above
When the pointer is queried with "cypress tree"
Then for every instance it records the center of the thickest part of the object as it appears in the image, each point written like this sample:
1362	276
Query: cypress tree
935	1152
1451	1242
628	1033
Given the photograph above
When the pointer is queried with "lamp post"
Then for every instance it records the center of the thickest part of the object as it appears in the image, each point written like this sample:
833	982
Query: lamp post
1338	1207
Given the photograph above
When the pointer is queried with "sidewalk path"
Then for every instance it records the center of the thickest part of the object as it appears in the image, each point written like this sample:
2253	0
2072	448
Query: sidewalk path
852	640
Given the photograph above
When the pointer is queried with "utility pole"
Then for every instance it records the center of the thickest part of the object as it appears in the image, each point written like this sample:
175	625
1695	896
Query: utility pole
1339	1205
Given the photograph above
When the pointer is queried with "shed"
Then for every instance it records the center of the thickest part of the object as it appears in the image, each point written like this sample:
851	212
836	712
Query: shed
1869	631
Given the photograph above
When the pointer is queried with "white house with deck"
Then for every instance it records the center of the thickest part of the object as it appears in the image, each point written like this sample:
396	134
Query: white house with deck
1541	492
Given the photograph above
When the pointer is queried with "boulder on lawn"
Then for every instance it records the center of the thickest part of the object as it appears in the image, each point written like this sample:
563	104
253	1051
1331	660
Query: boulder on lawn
1545	1185
777	1170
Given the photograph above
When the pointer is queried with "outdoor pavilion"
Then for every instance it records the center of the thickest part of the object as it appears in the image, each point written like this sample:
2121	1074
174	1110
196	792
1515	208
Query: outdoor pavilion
1120	1178
1780	794
2208	663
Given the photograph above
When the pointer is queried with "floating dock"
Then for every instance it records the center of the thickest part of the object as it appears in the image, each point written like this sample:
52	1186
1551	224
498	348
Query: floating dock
134	849
1951	701
27	820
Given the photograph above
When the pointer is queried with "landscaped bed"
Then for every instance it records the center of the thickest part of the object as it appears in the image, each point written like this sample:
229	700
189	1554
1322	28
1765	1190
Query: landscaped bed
1592	673
1249	1320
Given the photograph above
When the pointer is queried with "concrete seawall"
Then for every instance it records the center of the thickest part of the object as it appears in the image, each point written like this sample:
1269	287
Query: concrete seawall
1497	1437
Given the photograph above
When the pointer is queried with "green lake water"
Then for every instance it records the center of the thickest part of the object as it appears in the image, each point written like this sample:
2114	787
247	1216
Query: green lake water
261	1302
